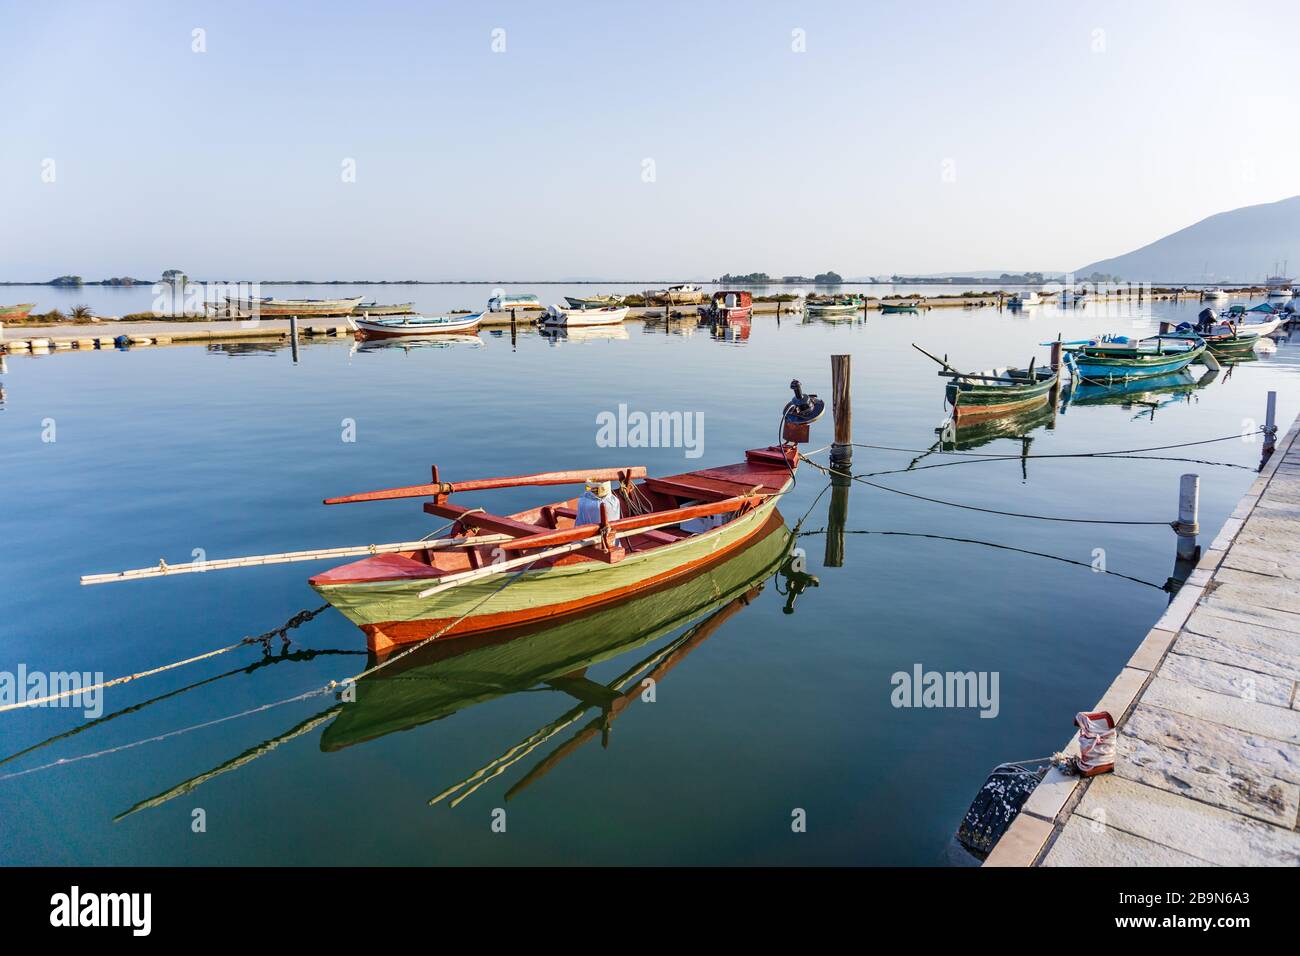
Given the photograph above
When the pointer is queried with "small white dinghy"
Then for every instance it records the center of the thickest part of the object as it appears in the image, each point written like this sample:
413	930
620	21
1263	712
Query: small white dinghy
558	315
399	325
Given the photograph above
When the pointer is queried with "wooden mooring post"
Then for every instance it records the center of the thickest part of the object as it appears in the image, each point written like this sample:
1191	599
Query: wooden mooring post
842	411
293	337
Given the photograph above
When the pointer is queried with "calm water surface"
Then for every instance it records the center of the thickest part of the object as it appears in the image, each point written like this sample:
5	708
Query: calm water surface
162	451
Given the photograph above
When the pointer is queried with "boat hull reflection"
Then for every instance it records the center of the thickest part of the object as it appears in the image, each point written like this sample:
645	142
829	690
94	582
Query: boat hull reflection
449	675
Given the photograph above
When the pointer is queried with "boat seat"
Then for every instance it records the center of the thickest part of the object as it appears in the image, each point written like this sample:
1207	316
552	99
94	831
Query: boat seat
696	486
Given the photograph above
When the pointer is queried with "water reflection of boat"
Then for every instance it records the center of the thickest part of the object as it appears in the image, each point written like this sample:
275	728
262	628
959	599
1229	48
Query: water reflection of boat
962	435
557	334
1147	394
447	676
445	340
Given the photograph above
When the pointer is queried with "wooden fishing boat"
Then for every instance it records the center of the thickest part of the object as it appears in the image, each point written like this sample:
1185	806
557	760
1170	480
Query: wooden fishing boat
1000	391
839	305
374	308
593	301
728	307
674	295
285	307
448	676
416	325
894	308
604	315
1118	357
16	313
672	527
504	303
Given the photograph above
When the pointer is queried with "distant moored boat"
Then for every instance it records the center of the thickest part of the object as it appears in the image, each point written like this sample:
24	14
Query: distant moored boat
504	303
598	301
285	307
675	295
607	315
402	325
16	313
373	308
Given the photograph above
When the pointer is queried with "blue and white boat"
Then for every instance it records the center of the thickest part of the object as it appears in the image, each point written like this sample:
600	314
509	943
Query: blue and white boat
402	325
1121	358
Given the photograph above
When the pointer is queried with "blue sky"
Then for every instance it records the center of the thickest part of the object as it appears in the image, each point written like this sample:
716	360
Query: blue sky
909	136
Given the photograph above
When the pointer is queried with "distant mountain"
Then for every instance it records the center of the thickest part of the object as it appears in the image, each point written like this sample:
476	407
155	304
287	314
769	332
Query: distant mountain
1241	245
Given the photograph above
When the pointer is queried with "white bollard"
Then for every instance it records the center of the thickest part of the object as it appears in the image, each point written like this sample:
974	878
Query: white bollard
1270	424
1189	507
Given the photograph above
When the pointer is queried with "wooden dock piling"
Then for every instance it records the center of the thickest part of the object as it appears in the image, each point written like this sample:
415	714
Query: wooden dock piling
842	410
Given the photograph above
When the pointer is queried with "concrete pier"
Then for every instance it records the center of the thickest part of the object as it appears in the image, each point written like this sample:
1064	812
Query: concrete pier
1207	768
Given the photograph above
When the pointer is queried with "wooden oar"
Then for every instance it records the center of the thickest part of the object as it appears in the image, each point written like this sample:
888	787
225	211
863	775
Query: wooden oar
288	557
548	539
482	484
937	359
661	519
500	567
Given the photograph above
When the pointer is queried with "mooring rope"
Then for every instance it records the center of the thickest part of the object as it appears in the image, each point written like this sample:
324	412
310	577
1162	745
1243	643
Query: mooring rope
302	617
992	511
984	459
990	544
1078	454
306	695
306	654
164	736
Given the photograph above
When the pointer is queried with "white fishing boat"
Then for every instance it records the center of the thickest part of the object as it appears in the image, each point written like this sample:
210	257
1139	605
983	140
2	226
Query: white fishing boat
1280	285
558	315
404	325
1019	300
1215	294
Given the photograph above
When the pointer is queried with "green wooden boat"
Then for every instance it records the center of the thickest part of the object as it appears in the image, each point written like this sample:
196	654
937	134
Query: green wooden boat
996	392
894	308
593	301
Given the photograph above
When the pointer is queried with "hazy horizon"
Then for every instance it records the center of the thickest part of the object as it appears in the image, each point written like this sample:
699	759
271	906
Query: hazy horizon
390	141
